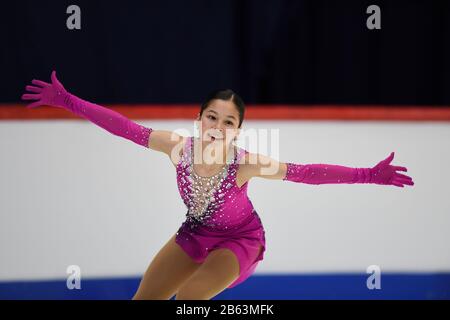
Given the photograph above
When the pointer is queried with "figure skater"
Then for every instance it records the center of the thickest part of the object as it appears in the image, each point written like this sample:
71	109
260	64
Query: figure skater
222	239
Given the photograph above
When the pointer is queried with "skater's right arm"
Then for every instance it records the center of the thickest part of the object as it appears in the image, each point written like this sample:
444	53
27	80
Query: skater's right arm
54	94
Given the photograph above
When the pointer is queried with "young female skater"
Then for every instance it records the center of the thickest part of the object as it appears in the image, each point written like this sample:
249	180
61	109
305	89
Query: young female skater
222	239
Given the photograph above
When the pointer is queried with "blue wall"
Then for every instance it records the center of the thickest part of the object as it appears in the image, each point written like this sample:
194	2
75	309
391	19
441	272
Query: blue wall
290	287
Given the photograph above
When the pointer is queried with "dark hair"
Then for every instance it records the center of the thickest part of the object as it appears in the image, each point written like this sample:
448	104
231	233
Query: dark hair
226	95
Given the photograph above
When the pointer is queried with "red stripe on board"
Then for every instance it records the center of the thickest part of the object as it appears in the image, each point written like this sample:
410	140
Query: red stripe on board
267	112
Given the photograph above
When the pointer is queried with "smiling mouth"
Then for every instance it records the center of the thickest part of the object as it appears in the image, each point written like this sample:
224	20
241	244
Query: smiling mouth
214	138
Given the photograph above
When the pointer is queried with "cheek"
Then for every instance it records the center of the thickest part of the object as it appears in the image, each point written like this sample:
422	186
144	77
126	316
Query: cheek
206	124
230	132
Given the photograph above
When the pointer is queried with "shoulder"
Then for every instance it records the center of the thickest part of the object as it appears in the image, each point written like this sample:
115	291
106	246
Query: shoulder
179	148
164	141
259	165
249	163
252	159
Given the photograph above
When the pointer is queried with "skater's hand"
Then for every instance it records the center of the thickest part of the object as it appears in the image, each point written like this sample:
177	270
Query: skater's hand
384	173
51	94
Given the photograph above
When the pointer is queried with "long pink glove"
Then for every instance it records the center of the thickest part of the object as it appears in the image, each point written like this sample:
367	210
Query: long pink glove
382	173
54	94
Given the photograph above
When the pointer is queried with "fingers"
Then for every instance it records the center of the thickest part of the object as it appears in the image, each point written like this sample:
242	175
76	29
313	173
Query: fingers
40	83
397	184
28	96
400	168
405	181
385	162
403	176
34	105
389	159
402	181
54	79
34	89
53	76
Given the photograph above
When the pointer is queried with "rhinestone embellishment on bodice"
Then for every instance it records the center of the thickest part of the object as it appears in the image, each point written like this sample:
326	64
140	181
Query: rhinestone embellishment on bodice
203	195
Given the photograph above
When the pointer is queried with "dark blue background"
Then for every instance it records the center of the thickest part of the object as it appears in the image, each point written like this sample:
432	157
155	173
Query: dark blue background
294	52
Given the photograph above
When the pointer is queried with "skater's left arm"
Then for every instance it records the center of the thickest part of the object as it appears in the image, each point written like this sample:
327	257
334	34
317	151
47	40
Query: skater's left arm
382	173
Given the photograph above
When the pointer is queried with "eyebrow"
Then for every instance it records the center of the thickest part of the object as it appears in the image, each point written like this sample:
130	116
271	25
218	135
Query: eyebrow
227	116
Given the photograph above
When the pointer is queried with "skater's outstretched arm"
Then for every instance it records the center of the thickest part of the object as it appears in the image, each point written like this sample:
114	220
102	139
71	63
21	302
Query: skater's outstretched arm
54	94
382	173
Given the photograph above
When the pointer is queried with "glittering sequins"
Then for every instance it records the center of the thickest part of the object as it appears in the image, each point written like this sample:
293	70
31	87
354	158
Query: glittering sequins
203	191
139	134
145	136
216	201
295	172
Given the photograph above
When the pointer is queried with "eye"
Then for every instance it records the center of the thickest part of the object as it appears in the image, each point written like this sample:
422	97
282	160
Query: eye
230	123
212	117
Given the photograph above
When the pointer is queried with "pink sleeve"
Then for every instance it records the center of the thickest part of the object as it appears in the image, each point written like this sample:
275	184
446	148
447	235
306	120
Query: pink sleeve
326	173
109	120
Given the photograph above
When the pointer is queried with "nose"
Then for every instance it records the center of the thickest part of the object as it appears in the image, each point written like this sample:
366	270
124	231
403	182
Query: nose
218	128
221	131
218	131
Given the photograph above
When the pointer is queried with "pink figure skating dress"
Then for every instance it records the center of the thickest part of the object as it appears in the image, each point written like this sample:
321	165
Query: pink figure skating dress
220	214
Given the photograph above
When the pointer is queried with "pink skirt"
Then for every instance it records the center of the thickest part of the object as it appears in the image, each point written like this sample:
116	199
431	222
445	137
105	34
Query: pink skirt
245	241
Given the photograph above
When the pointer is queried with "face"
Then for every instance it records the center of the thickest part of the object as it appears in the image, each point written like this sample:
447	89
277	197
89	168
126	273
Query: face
219	122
